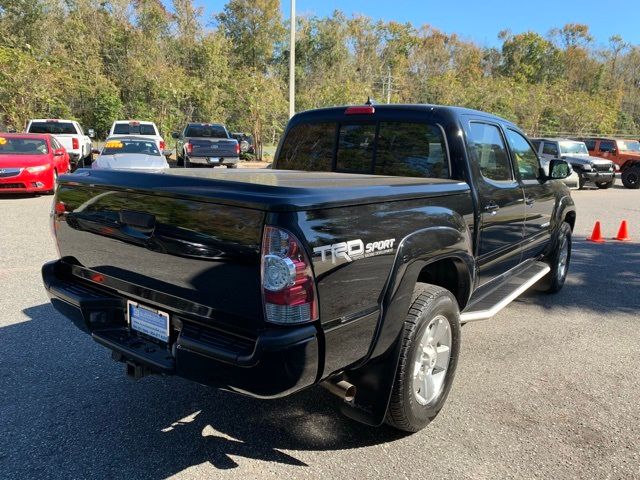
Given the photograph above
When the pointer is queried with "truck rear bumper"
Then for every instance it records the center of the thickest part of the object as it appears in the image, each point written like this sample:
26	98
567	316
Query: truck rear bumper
277	362
214	160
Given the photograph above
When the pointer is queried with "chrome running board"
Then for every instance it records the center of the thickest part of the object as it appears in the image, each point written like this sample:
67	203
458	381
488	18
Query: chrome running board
494	301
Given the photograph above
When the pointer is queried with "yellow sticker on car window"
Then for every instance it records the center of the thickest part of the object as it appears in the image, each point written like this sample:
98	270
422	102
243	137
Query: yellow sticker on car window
3	141
114	144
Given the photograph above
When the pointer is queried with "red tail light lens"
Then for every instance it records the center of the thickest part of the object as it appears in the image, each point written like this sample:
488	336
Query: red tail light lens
288	287
188	147
237	148
75	144
163	146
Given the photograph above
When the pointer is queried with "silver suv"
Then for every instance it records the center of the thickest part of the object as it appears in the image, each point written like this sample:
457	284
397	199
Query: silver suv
597	170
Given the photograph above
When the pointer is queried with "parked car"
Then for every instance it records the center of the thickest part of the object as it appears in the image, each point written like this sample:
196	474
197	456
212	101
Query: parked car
69	134
246	142
350	264
31	163
130	153
600	172
624	153
138	128
206	144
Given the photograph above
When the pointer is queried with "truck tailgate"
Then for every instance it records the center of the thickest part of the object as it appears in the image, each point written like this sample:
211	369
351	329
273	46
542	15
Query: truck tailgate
165	251
213	147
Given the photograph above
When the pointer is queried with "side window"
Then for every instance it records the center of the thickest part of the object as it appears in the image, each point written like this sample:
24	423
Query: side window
536	144
411	150
526	159
488	150
607	146
55	144
591	144
355	148
308	146
550	148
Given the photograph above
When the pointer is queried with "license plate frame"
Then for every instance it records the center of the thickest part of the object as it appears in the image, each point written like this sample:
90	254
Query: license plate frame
148	321
214	159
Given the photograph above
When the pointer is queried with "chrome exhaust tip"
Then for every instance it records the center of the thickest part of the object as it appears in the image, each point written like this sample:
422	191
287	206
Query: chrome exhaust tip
342	389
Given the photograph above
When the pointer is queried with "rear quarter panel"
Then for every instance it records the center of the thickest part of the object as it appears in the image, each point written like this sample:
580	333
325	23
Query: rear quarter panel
351	290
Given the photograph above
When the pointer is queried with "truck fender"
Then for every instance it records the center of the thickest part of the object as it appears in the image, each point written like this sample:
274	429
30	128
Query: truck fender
374	377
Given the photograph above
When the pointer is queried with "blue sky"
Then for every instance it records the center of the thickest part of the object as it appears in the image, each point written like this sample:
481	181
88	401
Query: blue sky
481	20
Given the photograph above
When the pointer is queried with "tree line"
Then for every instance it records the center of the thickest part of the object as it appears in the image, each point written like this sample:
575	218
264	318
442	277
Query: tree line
101	60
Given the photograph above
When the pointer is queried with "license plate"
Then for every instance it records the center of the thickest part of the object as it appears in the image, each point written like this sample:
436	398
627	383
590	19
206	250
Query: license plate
213	160
149	321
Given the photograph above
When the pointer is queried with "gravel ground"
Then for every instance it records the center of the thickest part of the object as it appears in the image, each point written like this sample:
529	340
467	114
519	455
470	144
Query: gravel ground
548	388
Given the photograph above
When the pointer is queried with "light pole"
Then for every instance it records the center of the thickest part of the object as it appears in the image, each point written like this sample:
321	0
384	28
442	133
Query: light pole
292	61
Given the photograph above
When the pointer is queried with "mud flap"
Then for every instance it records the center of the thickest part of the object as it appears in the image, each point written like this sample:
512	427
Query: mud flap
374	383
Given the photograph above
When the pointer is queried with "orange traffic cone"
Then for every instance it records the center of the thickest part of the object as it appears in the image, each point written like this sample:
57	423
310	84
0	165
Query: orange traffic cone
623	233
596	236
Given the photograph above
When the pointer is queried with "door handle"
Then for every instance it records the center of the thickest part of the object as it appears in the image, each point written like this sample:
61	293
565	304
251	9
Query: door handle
529	201
492	208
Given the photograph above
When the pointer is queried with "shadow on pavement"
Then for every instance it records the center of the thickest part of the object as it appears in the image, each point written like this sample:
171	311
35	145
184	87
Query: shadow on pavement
602	278
69	411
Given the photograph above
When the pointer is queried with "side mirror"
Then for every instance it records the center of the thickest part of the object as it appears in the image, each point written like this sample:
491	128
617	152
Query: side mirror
91	133
558	169
58	152
175	135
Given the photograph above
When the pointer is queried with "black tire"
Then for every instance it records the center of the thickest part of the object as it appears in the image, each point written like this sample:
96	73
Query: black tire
186	163
554	281
581	182
605	185
232	165
631	178
55	181
429	302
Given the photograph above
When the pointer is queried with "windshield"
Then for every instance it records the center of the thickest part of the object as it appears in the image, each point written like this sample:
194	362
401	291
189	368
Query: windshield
53	128
120	146
134	129
629	146
209	131
573	148
23	146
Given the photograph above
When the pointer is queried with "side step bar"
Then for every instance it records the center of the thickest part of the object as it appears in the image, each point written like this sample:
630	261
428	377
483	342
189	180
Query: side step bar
514	286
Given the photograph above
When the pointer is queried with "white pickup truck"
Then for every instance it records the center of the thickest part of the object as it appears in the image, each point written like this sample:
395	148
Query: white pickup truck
70	135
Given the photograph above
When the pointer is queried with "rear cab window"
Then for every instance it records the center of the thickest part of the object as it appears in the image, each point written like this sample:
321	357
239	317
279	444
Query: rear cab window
410	149
206	131
53	128
134	128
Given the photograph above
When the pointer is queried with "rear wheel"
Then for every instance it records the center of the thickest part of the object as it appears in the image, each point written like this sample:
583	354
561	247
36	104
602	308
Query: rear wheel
631	178
428	359
186	162
232	165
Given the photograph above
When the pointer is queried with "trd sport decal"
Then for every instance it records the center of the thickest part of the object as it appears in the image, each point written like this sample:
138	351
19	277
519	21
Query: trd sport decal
354	249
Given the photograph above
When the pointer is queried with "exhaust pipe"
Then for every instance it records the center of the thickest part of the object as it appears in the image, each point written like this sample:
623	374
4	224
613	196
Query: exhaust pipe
342	389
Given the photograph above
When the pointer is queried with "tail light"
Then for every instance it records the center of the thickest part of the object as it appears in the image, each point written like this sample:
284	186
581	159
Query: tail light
188	147
163	146
360	110
288	287
237	148
75	144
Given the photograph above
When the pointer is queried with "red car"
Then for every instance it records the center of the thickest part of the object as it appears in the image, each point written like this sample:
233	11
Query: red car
30	163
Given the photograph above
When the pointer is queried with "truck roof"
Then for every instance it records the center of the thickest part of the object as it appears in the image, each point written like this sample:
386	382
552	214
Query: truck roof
444	110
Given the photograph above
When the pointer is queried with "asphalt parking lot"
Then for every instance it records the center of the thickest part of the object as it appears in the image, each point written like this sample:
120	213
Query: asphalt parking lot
549	388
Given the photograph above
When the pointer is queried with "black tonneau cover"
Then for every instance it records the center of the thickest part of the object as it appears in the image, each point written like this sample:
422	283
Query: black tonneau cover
270	190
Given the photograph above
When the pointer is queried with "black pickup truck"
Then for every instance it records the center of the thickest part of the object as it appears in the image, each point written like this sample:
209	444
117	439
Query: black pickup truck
351	263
